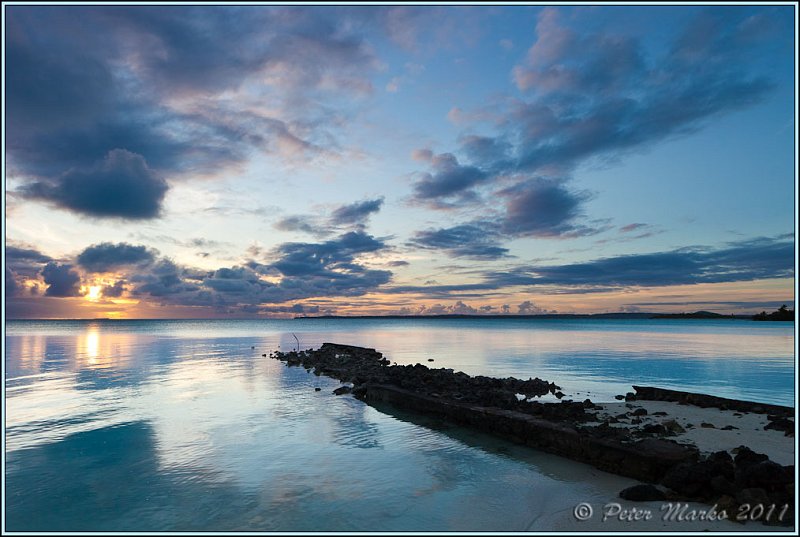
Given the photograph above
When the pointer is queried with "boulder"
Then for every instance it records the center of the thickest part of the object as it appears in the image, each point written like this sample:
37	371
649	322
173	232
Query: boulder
642	493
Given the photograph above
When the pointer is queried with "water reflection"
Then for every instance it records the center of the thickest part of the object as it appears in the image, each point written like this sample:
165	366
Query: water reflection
133	429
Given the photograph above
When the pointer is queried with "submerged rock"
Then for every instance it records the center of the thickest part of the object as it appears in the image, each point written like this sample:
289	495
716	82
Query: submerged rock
643	493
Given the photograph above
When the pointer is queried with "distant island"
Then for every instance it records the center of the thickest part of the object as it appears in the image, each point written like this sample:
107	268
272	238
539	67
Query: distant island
617	315
781	314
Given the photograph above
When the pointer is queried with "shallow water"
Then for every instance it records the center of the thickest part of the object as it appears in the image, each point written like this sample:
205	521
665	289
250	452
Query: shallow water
181	425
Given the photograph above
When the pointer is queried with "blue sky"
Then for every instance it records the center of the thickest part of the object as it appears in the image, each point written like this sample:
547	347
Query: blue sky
209	161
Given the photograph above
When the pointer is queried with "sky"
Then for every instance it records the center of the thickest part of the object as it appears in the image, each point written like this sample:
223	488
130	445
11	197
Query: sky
275	161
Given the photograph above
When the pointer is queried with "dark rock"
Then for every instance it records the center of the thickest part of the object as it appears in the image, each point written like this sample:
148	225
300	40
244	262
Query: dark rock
695	480
630	396
727	504
746	457
705	425
723	485
642	493
430	359
317	389
640	412
659	413
654	428
341	390
767	475
559	395
264	355
673	427
781	424
619	397
729	428
752	497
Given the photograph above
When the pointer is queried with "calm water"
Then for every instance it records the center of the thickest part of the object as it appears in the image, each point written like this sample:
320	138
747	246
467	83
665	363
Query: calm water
181	425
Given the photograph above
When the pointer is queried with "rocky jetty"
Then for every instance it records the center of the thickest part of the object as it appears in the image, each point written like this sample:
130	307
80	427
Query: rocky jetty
508	408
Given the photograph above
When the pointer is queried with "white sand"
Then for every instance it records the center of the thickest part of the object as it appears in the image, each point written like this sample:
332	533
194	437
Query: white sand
750	428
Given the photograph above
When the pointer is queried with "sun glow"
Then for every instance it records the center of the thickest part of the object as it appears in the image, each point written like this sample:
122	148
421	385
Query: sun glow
94	293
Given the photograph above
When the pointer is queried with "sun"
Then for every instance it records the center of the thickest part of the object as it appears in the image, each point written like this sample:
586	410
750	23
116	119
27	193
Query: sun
94	293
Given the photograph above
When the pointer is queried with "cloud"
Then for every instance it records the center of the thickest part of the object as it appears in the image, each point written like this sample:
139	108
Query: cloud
12	287
543	208
182	88
22	263
121	186
740	261
631	227
355	213
61	280
449	180
114	291
105	257
295	308
529	308
590	97
305	223
476	240
601	94
295	271
755	259
25	261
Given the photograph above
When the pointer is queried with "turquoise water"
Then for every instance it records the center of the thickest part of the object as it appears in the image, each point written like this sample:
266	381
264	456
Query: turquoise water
181	425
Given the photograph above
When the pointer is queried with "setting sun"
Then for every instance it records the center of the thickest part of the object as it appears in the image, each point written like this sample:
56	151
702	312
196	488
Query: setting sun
94	293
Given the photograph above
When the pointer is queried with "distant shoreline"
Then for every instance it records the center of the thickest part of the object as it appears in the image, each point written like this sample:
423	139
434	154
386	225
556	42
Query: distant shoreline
698	315
622	316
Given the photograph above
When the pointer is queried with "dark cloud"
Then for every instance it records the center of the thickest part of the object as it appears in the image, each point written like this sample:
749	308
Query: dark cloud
11	285
105	257
297	271
305	223
22	263
543	208
302	259
121	186
114	291
164	279
155	81
356	213
476	240
450	181
756	259
61	280
352	216
25	261
741	261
